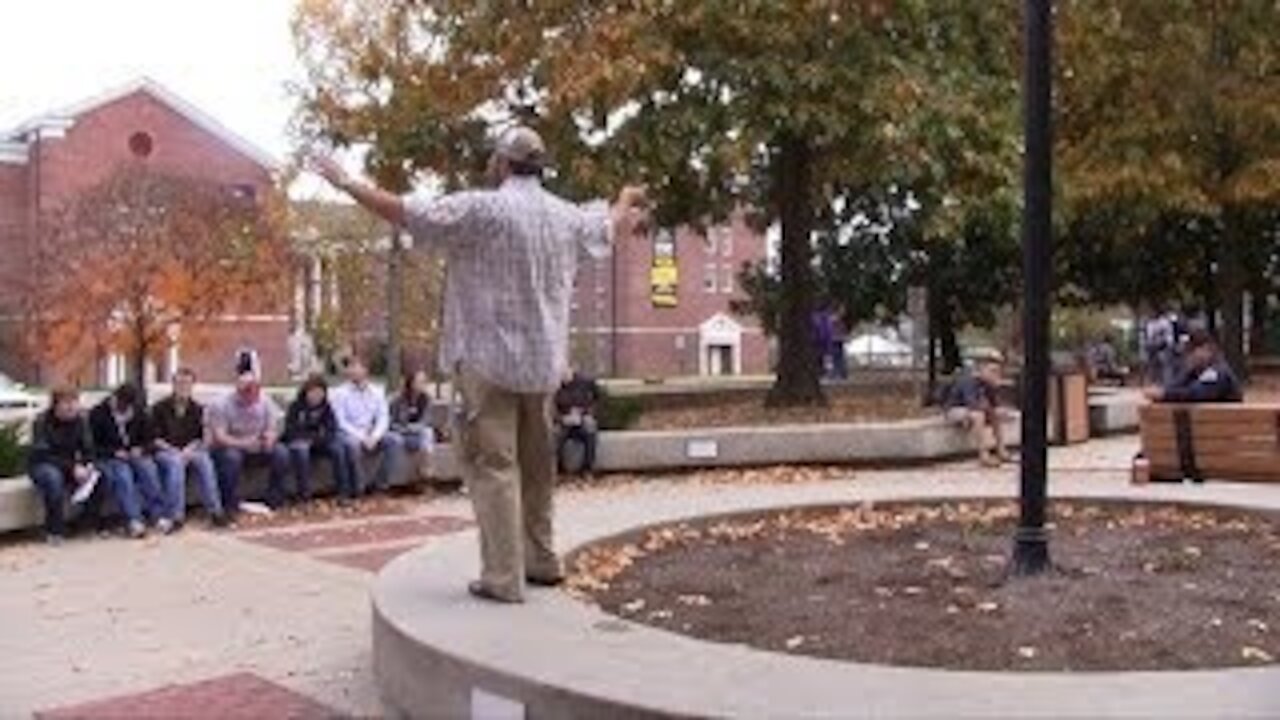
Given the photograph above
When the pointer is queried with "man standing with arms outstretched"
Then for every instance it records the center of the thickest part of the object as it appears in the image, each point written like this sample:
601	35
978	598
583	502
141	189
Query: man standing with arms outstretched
512	252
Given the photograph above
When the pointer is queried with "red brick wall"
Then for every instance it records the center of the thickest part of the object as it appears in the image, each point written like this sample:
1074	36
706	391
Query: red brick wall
89	153
14	218
99	142
647	335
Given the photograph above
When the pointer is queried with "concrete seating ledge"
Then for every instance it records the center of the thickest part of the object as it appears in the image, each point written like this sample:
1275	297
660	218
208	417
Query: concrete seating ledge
908	441
439	653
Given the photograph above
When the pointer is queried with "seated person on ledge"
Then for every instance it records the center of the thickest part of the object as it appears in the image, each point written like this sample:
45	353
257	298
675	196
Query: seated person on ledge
972	403
411	414
1205	376
576	402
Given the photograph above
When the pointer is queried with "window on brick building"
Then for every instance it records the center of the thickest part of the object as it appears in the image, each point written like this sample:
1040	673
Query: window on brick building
141	144
727	282
709	278
726	242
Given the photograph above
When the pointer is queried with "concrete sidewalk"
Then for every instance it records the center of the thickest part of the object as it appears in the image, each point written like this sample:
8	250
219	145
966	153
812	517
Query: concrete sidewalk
99	619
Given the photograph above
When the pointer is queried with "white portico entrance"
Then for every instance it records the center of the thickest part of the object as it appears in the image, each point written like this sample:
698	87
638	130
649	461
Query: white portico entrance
720	346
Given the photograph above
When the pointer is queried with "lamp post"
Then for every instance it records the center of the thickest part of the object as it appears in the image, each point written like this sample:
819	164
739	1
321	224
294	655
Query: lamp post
1031	544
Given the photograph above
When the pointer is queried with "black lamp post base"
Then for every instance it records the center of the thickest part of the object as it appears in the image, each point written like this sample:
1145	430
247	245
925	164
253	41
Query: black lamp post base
1030	552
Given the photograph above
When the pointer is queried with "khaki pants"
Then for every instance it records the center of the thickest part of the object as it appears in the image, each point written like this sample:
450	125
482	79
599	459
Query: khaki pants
508	463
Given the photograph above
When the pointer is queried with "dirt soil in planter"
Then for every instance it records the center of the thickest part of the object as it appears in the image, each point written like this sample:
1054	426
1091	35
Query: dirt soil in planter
1137	587
744	409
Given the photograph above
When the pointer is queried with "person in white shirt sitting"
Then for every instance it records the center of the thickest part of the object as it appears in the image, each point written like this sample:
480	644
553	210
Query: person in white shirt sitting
364	421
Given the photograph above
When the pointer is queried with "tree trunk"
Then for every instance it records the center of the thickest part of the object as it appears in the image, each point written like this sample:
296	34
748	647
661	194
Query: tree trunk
797	383
951	360
1258	317
1209	289
1233	282
395	303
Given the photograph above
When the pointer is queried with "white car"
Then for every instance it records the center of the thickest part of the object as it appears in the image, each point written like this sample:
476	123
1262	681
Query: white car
17	404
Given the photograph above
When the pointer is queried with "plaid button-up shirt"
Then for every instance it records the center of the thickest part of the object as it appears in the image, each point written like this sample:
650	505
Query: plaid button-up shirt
511	256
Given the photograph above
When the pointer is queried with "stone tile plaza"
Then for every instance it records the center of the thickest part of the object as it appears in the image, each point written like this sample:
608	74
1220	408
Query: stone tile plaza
526	361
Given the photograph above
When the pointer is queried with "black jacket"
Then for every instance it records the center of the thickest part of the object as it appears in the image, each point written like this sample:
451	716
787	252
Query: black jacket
1215	383
108	437
580	393
177	430
406	412
61	443
316	424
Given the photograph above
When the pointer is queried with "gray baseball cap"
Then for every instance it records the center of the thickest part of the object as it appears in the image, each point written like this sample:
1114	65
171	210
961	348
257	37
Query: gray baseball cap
522	145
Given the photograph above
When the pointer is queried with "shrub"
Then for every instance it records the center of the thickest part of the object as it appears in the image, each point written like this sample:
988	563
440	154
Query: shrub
13	450
618	413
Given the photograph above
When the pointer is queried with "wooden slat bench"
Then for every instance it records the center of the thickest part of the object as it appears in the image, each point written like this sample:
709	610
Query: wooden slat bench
1211	441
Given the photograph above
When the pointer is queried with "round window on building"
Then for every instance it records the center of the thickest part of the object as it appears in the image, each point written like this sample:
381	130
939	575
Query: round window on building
141	144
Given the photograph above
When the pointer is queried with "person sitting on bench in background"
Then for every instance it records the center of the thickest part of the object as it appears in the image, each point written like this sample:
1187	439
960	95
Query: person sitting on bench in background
1205	378
576	409
60	465
411	414
310	430
972	403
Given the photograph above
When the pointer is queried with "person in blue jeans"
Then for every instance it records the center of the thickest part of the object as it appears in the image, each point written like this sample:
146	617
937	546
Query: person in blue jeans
364	420
60	463
311	429
177	425
245	429
411	414
121	438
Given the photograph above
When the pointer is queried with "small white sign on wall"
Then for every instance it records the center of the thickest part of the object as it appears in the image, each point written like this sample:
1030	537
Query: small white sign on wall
488	706
702	449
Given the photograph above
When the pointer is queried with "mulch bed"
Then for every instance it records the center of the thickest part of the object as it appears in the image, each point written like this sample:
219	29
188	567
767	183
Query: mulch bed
1137	587
743	409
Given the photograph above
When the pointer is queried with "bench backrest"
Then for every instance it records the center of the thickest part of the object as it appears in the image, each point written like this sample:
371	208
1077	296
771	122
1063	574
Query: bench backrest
1218	441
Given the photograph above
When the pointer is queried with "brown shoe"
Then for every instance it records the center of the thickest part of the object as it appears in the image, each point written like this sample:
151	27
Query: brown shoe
988	461
479	590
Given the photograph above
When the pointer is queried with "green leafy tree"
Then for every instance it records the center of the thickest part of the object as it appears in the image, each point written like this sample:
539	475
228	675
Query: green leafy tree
1168	110
717	104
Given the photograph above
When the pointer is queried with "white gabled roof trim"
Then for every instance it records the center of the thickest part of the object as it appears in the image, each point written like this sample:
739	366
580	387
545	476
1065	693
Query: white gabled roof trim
13	153
64	118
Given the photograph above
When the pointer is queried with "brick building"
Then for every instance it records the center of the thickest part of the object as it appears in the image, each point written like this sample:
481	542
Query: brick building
45	162
662	308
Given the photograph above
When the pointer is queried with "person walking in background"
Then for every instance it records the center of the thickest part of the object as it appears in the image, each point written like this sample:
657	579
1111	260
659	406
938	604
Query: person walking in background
311	430
411	414
972	403
60	465
576	402
122	440
365	423
512	253
245	429
177	423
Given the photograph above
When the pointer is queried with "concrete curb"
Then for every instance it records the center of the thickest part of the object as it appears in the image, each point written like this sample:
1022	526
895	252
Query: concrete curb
438	653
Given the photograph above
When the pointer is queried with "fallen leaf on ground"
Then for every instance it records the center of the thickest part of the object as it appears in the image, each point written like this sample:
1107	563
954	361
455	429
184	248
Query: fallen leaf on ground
1255	654
795	642
1027	652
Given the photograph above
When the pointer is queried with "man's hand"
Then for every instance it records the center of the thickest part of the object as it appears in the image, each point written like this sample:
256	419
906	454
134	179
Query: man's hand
630	211
329	169
135	452
1154	393
80	473
122	455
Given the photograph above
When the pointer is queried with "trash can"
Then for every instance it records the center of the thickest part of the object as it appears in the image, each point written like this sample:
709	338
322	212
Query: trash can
1068	421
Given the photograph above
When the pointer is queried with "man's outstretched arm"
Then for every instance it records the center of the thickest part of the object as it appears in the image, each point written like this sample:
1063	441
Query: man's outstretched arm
388	206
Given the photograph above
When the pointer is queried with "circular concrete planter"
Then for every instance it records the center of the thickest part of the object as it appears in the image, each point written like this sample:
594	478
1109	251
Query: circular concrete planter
437	653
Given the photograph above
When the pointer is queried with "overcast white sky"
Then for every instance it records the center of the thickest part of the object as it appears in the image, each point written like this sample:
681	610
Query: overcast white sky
231	58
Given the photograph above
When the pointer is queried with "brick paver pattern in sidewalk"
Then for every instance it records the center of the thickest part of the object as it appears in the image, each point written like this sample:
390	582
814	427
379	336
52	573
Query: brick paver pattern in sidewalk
242	696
